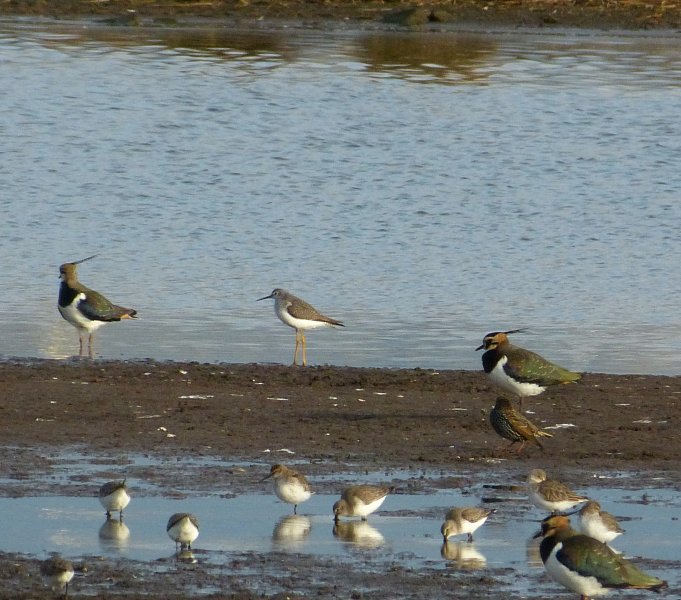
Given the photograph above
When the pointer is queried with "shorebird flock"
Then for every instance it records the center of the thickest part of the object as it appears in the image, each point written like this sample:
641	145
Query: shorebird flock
575	552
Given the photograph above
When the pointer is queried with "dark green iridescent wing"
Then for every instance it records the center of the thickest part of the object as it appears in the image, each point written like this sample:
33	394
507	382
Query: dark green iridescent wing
98	308
527	367
592	558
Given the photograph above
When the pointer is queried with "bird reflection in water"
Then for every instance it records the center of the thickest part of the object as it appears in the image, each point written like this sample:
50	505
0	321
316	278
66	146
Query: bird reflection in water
359	534
463	555
291	531
114	533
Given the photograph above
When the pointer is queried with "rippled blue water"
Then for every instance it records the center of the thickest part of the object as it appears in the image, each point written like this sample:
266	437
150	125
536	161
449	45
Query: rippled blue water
425	188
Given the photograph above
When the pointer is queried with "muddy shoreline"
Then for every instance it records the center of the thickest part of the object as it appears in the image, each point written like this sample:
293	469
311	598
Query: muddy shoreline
586	14
325	419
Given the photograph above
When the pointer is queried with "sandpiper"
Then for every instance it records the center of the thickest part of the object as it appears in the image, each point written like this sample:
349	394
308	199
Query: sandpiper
58	572
359	501
551	494
585	565
517	370
460	521
114	497
597	523
290	485
514	426
300	315
84	308
183	529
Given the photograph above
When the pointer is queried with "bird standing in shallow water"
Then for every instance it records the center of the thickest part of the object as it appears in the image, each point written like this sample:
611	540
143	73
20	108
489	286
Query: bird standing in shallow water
84	308
585	565
183	529
517	370
114	497
359	501
550	494
290	485
514	426
460	521
300	315
597	523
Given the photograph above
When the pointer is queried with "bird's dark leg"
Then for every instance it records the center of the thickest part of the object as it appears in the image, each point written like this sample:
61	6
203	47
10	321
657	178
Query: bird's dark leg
470	538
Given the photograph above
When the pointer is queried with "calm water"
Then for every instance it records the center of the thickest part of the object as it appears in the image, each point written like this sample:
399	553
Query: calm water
425	188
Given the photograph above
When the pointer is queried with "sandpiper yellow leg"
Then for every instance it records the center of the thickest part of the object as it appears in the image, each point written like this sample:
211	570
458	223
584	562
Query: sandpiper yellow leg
302	339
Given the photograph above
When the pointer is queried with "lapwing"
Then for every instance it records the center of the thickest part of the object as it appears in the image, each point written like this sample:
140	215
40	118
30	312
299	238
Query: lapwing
360	501
586	566
290	485
84	308
183	529
551	494
300	315
464	521
514	426
517	370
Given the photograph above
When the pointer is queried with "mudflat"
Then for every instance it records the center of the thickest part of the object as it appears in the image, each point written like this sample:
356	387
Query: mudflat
326	420
593	14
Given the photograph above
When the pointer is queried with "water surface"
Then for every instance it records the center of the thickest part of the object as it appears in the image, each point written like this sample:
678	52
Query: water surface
424	188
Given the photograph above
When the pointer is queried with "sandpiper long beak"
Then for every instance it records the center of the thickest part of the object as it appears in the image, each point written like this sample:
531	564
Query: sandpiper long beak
264	298
270	475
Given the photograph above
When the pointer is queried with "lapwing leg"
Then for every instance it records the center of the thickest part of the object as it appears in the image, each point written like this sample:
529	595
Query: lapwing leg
90	346
302	339
80	347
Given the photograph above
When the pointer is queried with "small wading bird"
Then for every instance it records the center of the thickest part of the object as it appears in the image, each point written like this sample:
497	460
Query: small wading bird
114	497
513	426
359	501
517	370
289	485
460	521
58	572
597	523
585	565
300	315
183	529
84	308
550	494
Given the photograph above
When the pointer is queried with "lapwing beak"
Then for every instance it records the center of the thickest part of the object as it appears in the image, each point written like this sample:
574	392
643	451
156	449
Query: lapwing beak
82	260
264	298
480	347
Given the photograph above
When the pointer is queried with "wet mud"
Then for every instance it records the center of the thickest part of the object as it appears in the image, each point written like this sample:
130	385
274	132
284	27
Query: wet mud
327	420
